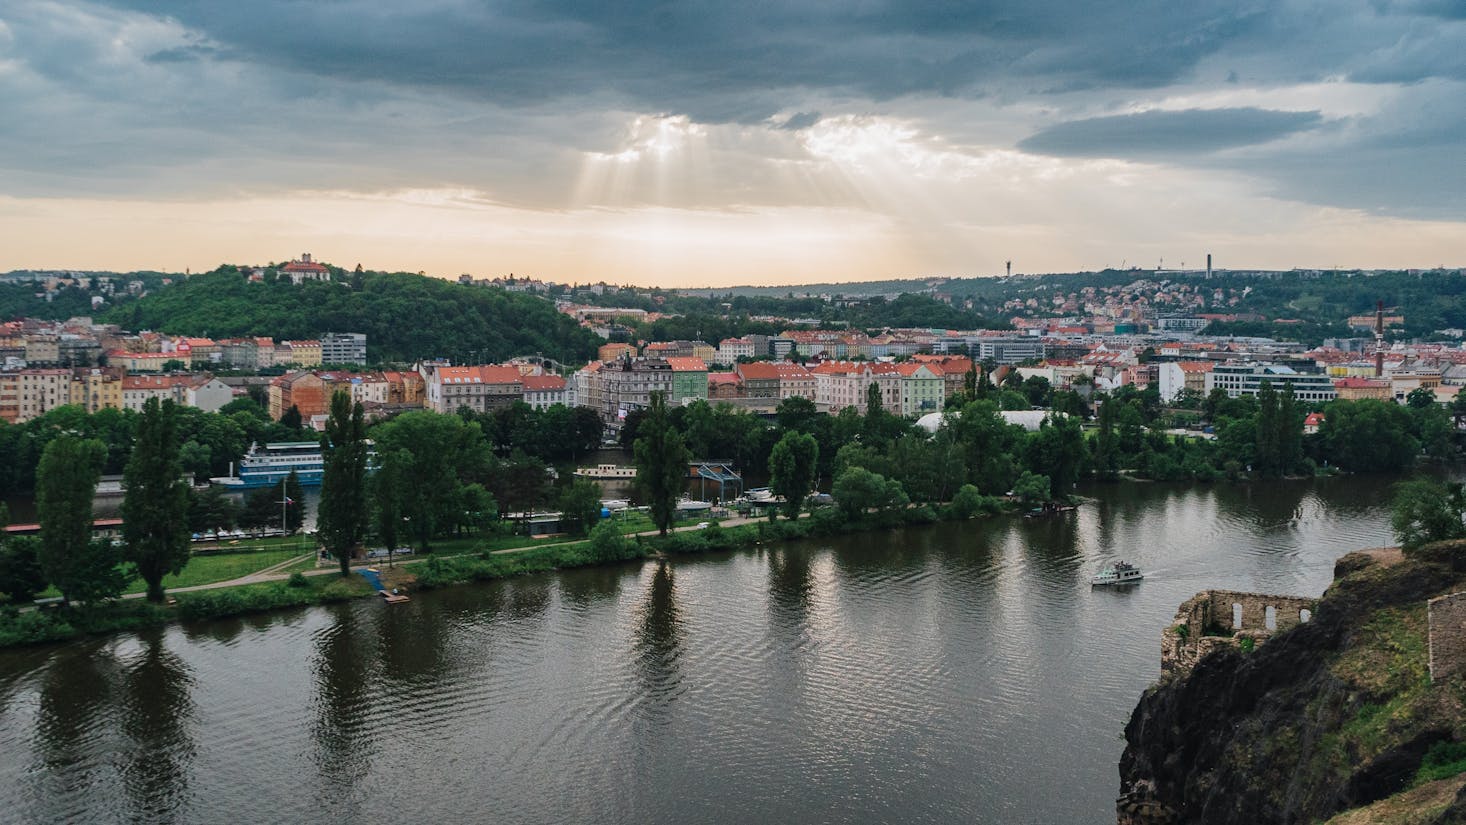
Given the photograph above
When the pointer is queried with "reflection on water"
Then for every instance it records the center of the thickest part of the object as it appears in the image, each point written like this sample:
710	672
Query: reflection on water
962	672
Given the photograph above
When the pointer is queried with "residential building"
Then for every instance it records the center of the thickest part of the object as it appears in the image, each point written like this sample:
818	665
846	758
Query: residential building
38	391
405	388
731	349
689	380
343	348
922	389
794	380
299	353
541	391
137	389
841	384
142	361
480	388
760	379
724	386
206	392
628	385
1355	388
96	389
614	351
306	391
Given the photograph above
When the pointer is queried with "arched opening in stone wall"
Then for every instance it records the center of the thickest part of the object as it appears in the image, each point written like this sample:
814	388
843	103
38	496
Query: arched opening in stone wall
1236	615
1270	617
1304	615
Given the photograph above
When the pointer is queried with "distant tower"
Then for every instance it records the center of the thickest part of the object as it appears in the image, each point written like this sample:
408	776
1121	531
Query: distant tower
1208	266
1379	339
1010	269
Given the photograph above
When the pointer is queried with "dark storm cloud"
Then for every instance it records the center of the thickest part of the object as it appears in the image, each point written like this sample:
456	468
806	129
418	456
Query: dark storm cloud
1167	134
724	61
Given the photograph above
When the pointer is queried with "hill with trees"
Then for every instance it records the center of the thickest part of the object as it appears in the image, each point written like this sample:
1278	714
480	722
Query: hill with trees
404	316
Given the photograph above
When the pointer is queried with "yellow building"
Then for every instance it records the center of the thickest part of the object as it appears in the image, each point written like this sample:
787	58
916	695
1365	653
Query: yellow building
304	353
96	389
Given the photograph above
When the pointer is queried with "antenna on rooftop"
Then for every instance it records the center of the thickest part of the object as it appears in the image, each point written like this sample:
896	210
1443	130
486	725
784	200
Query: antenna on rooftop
1379	339
1010	269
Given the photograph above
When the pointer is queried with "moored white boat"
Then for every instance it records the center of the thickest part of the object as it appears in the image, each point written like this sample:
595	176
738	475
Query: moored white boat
606	471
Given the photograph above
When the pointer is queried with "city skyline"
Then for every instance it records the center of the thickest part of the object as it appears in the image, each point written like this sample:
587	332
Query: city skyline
700	146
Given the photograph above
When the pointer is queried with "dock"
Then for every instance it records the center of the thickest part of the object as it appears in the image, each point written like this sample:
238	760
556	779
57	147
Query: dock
374	578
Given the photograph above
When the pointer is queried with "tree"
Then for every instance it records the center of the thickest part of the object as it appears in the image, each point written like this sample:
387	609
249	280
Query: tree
792	465
661	460
580	506
437	454
1106	451
291	418
872	400
292	497
1266	456
1058	450
969	502
1425	511
342	513
156	498
857	491
82	569
386	491
211	511
1368	436
20	569
1290	431
1420	398
1031	487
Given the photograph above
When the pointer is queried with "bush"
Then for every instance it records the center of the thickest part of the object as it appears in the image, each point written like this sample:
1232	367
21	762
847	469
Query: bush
1442	761
607	544
297	579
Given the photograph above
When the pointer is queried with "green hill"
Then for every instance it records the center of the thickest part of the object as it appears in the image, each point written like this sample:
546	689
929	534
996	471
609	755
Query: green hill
404	316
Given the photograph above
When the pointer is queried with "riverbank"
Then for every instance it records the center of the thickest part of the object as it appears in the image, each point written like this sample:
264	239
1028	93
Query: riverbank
324	586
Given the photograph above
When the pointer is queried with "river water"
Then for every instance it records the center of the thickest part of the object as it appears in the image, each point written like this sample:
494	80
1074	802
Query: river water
955	673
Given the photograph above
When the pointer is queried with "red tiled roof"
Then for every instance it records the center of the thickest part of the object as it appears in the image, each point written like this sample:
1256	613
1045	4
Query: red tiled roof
687	364
543	383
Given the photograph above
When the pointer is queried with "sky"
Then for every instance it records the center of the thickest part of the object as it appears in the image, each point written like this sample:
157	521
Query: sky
715	143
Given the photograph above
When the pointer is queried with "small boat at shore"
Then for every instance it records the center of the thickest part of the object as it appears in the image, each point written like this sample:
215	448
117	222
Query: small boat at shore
606	471
1121	572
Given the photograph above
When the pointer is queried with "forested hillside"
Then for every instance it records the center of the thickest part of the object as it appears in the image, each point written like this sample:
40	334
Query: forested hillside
404	316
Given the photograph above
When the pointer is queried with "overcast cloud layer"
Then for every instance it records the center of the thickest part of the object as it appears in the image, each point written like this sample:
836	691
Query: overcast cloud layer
883	138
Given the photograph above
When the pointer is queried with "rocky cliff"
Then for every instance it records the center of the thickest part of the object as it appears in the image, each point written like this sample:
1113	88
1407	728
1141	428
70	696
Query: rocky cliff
1328	717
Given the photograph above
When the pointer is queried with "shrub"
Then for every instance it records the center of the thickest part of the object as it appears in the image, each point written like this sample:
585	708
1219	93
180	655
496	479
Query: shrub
607	544
1442	761
297	579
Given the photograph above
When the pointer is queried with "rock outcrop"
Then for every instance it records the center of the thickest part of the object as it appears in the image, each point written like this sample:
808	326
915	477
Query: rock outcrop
1329	716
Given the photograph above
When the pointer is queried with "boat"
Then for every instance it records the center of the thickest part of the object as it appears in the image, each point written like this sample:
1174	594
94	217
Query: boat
692	505
1121	572
269	465
606	471
614	504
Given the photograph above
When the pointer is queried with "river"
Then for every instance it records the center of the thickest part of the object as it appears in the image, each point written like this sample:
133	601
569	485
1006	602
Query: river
960	672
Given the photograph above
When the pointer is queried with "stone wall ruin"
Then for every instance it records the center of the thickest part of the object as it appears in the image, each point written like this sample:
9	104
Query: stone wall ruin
1223	618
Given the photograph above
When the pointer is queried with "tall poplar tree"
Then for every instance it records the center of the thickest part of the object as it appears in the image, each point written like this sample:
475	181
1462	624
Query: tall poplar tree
66	481
155	502
1290	431
1265	459
661	460
343	509
792	465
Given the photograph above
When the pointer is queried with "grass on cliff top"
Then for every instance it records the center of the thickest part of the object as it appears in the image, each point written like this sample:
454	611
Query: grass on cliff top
1417	806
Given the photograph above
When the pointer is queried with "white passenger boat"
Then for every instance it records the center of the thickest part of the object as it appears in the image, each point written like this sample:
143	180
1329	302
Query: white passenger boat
1120	572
